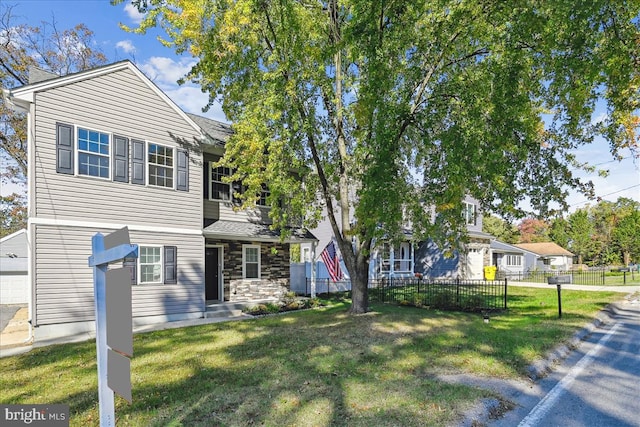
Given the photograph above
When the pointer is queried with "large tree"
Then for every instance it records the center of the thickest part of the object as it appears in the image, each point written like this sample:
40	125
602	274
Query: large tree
374	110
23	46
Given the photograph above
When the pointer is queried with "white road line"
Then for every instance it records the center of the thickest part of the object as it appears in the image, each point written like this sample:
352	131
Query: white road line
543	407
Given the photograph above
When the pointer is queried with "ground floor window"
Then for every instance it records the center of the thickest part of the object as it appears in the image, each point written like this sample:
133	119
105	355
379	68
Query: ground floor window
150	264
250	261
514	260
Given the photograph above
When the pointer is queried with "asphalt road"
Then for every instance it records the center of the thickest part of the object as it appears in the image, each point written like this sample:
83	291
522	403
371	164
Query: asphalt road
597	385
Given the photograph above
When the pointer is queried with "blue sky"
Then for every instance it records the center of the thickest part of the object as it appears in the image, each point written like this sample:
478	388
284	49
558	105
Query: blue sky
162	66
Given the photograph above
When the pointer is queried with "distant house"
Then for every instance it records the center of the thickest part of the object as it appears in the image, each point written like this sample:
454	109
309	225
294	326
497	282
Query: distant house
14	252
551	256
510	260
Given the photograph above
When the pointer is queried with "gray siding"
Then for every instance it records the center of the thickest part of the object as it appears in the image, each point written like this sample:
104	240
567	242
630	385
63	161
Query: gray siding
15	245
64	281
117	103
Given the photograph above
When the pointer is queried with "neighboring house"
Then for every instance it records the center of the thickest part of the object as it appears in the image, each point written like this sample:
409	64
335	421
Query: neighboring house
512	261
407	258
107	149
14	286
550	256
467	263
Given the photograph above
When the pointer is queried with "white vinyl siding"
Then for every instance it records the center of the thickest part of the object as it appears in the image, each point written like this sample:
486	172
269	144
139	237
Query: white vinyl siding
250	261
120	104
65	282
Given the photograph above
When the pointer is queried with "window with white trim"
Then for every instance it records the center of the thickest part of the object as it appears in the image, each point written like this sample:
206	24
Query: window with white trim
160	159
150	259
514	260
469	213
220	190
264	194
93	153
250	261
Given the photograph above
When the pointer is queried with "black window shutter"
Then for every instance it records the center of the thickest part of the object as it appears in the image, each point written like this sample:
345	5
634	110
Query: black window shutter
205	179
183	170
120	159
132	263
170	265
137	162
64	148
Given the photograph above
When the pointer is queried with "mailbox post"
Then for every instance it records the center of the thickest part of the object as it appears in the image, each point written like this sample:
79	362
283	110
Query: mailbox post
112	295
559	281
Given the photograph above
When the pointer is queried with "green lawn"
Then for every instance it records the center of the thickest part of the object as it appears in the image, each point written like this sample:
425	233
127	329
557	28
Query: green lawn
316	368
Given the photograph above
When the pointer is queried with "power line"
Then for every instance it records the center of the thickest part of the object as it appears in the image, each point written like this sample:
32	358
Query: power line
605	195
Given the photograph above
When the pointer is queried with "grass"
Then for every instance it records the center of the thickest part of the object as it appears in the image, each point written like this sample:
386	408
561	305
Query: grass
316	368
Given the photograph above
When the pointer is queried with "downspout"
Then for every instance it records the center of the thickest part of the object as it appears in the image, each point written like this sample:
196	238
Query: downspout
31	206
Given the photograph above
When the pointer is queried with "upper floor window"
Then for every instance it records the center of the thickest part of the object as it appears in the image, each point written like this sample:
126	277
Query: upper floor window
469	213
220	190
160	160
264	194
93	153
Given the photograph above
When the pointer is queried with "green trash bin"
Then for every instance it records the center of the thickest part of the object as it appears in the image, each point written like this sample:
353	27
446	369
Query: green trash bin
490	272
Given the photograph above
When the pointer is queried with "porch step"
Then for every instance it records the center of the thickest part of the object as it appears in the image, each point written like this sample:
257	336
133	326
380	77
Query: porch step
222	313
228	309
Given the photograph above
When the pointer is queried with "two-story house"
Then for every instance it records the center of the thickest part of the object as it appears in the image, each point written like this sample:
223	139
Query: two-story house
107	149
409	257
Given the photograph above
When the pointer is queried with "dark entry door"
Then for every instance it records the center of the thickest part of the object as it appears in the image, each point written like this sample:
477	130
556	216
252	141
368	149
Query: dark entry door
211	273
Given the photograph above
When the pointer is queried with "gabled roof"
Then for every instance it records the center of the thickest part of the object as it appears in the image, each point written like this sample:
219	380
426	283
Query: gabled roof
217	131
22	96
502	247
251	231
545	249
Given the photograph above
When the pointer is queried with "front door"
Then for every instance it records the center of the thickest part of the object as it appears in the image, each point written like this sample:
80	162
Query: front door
212	274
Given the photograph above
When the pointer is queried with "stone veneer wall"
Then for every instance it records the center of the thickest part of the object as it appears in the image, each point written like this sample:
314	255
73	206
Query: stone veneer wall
274	271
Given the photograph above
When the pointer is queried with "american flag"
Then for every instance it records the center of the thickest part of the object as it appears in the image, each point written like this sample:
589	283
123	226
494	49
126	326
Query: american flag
330	259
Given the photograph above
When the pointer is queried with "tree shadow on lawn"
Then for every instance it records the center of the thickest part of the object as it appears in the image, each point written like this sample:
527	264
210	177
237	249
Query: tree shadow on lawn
303	368
340	370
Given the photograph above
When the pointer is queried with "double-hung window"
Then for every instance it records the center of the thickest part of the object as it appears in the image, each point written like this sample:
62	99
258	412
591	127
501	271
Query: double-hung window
93	153
470	213
514	260
251	261
220	190
160	159
264	194
150	264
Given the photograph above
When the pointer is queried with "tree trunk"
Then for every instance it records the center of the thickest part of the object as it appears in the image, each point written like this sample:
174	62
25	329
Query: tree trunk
626	257
360	287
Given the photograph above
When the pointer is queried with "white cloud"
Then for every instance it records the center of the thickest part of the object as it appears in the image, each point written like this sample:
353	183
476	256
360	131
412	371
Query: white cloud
191	99
163	70
133	13
126	46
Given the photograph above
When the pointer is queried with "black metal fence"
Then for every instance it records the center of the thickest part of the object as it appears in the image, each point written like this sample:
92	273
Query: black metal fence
577	277
448	294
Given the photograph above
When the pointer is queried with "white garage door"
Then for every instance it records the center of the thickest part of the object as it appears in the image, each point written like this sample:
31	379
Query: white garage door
13	288
474	264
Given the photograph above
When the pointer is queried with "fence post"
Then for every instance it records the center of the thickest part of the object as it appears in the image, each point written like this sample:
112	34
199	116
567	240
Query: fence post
505	293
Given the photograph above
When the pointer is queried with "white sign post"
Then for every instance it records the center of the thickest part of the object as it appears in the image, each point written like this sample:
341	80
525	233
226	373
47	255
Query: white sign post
112	309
